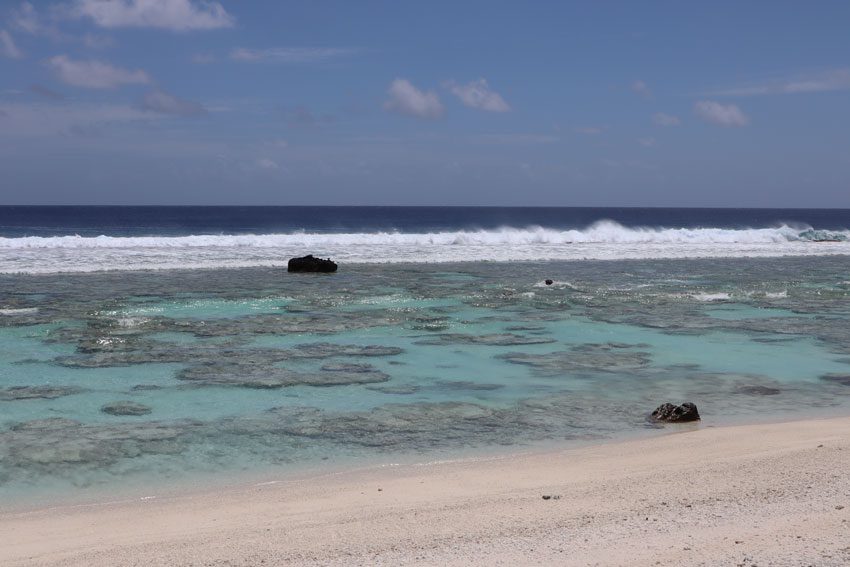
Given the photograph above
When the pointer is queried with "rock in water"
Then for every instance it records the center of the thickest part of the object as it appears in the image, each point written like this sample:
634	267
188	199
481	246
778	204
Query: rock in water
125	408
310	264
549	282
676	414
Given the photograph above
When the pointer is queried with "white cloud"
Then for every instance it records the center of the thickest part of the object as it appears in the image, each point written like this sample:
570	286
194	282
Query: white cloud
267	163
722	114
164	103
407	99
477	94
26	18
288	54
646	142
175	15
7	46
832	80
663	119
641	88
94	74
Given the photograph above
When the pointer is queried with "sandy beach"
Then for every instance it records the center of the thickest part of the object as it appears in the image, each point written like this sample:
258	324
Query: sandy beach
774	494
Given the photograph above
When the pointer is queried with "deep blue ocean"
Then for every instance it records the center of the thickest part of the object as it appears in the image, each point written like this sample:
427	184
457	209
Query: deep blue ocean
180	221
149	348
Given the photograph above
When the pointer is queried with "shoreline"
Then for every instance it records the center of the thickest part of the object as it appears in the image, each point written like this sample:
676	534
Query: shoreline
228	480
714	494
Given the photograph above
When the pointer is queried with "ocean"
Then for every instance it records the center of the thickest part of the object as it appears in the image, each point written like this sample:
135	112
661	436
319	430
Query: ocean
148	348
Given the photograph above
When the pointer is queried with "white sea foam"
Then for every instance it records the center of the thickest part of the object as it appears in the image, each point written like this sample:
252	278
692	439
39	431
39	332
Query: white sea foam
708	297
604	240
776	294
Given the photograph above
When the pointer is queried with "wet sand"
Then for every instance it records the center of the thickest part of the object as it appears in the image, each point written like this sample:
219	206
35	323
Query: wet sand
774	494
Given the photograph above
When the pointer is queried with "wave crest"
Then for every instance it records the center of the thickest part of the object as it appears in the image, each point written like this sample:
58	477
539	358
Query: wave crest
602	232
604	240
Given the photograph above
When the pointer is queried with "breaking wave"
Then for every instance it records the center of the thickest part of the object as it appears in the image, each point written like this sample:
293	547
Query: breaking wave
601	241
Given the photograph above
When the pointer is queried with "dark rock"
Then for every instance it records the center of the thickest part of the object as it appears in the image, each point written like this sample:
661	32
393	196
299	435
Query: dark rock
310	264
676	414
125	408
549	282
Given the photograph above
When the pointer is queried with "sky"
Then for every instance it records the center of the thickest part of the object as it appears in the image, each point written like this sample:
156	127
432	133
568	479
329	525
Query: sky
343	102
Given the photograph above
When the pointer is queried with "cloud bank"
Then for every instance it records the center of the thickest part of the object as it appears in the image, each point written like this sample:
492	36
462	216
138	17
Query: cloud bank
477	94
175	15
832	80
92	74
8	48
407	99
722	114
288	54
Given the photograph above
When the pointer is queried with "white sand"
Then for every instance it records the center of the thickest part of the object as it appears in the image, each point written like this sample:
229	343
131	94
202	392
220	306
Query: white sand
753	495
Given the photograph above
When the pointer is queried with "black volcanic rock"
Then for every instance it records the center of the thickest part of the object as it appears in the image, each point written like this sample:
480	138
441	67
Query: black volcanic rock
675	414
310	264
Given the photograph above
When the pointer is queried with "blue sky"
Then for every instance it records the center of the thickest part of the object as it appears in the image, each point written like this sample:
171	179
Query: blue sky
431	103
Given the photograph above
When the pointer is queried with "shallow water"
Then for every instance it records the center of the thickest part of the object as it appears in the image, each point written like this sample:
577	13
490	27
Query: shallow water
258	371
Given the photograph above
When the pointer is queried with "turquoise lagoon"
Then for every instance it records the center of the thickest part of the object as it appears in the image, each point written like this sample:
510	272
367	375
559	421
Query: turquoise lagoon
257	373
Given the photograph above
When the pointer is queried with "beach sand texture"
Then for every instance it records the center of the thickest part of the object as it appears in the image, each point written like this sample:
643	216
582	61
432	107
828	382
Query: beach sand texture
774	494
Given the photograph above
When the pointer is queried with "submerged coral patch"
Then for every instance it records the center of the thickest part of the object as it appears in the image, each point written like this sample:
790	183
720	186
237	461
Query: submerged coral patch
37	392
502	339
583	358
268	376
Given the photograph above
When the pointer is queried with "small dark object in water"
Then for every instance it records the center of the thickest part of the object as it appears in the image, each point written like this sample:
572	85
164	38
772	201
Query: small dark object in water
310	264
549	282
676	414
551	497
